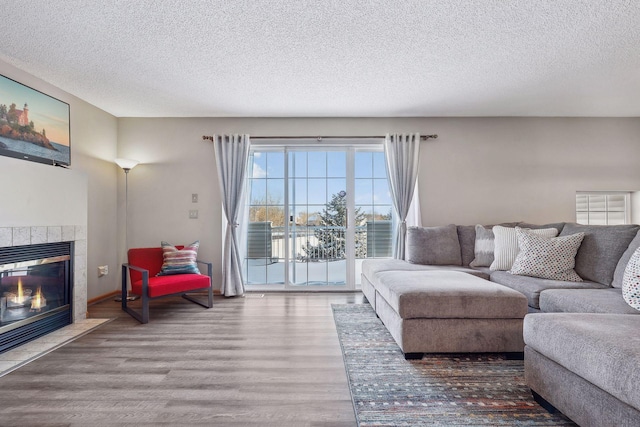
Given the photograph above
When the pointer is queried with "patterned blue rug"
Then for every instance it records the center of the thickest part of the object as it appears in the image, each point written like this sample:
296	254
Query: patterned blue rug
439	390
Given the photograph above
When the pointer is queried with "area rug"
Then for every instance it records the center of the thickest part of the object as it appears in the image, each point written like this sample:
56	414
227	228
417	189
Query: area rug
439	390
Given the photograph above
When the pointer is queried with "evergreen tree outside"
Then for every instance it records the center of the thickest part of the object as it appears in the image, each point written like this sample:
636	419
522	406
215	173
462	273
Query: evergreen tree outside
331	234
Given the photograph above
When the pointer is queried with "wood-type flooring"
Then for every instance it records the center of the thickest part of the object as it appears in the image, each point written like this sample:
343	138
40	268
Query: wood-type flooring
271	360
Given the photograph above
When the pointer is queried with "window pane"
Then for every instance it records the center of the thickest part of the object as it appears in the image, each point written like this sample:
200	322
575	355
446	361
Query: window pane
275	215
275	192
379	168
258	191
298	163
616	202
381	194
582	217
336	164
275	273
615	218
259	165
363	191
582	202
317	164
317	194
297	191
335	187
598	218
275	164
364	164
597	203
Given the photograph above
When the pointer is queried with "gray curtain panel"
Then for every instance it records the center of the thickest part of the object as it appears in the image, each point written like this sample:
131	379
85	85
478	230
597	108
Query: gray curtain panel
402	155
232	156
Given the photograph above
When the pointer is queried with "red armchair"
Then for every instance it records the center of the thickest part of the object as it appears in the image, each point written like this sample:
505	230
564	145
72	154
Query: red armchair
143	266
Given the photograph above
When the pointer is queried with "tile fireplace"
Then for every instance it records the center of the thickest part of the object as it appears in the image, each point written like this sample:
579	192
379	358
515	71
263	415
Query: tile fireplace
36	291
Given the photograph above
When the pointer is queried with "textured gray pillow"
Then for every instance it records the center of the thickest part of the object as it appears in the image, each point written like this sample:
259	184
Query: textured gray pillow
601	249
546	257
624	260
483	247
433	245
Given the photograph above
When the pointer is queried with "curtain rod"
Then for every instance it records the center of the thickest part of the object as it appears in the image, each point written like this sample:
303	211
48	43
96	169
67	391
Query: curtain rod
320	138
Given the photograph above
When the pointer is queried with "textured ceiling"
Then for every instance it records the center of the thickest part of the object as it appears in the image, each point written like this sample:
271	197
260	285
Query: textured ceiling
333	58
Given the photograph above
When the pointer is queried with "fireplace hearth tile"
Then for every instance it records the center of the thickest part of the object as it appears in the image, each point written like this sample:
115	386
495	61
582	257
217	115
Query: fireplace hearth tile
6	238
54	234
38	235
16	358
21	236
68	233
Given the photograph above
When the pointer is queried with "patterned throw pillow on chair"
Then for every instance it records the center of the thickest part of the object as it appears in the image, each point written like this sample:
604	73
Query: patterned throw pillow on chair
547	257
179	261
631	281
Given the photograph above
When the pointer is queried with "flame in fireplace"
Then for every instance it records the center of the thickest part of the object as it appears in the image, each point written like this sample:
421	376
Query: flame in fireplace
19	298
38	301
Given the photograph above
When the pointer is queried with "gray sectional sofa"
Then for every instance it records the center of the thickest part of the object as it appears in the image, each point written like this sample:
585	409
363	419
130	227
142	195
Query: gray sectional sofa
580	339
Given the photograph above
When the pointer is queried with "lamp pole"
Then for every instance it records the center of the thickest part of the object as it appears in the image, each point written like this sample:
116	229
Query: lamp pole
126	165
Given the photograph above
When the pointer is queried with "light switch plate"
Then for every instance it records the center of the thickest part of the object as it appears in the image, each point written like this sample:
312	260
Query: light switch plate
194	198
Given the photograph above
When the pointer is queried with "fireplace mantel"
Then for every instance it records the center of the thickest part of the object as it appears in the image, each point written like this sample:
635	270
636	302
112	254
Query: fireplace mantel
20	236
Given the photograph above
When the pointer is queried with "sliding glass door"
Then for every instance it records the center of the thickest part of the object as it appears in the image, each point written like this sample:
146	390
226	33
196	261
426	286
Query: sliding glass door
314	215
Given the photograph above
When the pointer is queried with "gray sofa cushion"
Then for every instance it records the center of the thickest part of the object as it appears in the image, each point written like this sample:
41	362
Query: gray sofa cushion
585	301
532	286
601	348
624	260
433	245
601	249
467	239
557	225
370	268
448	294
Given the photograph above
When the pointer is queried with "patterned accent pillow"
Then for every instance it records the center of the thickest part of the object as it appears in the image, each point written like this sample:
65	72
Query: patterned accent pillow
631	281
506	245
483	247
179	261
547	257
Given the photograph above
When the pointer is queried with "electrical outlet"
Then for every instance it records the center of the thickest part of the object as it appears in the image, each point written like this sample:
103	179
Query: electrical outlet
194	198
193	214
103	270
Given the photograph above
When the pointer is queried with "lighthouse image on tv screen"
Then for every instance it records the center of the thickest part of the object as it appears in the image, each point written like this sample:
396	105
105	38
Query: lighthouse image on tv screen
33	126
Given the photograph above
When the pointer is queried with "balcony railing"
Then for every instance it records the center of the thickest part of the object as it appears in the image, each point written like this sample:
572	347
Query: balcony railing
312	243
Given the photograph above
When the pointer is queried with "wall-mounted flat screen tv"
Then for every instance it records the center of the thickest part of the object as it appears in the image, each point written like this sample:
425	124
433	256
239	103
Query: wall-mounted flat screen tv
33	125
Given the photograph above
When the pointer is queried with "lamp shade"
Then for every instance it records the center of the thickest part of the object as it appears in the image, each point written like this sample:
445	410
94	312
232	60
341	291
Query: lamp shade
127	164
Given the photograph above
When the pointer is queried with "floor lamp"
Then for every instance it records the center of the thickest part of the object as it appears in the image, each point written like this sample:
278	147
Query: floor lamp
126	165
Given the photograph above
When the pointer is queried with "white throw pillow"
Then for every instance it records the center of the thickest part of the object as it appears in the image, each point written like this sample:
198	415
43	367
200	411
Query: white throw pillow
631	281
547	257
506	245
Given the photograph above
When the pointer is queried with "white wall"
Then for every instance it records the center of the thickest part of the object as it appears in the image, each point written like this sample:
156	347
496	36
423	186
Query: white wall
479	170
48	192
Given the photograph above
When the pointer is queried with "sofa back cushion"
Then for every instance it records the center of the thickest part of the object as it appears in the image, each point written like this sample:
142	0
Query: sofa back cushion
601	249
467	239
433	245
624	260
557	225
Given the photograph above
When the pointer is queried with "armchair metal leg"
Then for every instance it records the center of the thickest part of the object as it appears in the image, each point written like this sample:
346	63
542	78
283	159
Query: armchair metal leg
209	303
144	318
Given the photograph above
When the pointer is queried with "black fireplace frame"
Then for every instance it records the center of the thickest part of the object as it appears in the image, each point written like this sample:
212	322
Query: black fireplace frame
14	335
